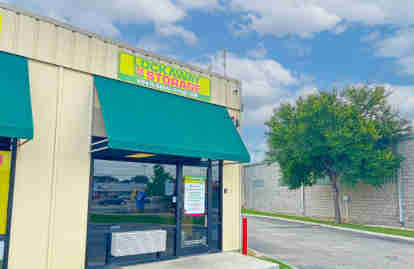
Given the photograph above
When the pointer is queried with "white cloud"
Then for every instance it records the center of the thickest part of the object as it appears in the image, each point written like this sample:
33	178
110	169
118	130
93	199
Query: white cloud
170	30
306	17
281	18
259	52
261	77
153	44
104	16
260	114
402	98
200	4
373	36
340	28
257	151
400	46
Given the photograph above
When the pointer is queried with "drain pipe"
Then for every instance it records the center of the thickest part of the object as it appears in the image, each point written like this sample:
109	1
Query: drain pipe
302	199
400	196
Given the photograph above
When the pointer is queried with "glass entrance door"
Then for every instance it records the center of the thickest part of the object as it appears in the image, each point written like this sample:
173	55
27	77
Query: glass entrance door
194	210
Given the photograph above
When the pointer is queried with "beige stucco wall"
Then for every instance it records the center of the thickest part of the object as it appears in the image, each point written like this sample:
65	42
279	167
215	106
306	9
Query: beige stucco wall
52	174
49	220
231	206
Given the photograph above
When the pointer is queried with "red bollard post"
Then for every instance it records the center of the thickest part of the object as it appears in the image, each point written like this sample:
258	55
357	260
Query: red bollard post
244	251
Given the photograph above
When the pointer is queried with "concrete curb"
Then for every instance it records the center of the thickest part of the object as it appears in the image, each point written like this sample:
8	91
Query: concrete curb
337	228
259	254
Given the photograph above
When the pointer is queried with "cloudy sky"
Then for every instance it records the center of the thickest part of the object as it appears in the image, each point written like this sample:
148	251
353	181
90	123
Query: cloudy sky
278	49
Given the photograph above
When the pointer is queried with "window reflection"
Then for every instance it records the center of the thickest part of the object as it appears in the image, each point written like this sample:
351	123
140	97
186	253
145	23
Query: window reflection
1	253
130	197
194	224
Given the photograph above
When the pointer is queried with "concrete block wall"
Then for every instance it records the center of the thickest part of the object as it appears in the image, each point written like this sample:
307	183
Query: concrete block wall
406	147
270	196
366	204
318	201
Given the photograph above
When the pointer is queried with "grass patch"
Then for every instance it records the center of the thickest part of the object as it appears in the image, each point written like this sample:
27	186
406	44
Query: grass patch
272	260
281	264
382	230
143	219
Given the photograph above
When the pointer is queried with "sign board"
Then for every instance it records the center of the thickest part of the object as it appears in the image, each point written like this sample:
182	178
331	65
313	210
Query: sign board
138	242
5	161
149	73
194	195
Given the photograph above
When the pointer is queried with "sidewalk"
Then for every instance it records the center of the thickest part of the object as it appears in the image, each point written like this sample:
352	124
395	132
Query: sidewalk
224	260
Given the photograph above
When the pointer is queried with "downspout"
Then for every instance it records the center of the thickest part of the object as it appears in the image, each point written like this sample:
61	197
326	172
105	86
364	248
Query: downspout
400	196
302	199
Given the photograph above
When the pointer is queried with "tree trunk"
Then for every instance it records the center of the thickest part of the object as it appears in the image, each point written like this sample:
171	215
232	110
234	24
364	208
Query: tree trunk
334	180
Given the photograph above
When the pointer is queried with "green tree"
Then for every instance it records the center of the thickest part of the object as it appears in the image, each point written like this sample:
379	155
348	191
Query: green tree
347	135
157	185
105	179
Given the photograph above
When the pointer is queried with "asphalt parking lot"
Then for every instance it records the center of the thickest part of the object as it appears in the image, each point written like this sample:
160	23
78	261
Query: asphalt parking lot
308	246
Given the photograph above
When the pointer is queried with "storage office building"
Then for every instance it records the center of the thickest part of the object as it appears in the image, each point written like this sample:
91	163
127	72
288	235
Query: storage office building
110	155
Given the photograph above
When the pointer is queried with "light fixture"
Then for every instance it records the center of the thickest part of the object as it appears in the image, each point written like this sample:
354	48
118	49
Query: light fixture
140	155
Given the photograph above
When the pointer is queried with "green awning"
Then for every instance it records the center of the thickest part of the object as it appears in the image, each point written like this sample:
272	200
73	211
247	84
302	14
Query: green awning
145	120
15	109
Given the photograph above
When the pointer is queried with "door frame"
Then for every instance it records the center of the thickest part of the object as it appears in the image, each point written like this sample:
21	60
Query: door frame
180	251
6	238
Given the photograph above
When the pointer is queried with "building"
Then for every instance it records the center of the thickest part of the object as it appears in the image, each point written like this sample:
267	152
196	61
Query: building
392	205
72	101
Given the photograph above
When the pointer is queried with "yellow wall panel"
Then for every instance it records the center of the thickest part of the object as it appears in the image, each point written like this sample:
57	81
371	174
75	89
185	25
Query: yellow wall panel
5	161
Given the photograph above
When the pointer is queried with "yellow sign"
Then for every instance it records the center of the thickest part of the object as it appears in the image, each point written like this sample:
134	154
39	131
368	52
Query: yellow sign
194	195
5	164
152	74
1	22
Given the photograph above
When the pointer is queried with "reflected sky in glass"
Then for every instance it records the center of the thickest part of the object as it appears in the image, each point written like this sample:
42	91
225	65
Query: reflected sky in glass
1	250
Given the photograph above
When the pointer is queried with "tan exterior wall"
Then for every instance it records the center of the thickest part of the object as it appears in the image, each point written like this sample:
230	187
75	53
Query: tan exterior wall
29	237
231	206
52	174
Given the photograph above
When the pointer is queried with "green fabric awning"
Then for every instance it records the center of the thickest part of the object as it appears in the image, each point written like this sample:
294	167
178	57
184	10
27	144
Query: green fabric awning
15	109
146	120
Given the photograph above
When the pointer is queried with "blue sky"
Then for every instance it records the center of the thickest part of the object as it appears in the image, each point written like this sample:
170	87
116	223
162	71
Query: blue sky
279	49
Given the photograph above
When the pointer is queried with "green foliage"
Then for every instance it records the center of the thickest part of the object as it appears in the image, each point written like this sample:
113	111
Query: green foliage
347	135
105	179
157	185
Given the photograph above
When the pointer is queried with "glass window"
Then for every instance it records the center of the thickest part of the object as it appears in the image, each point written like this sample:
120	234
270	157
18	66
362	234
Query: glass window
1	253
131	197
